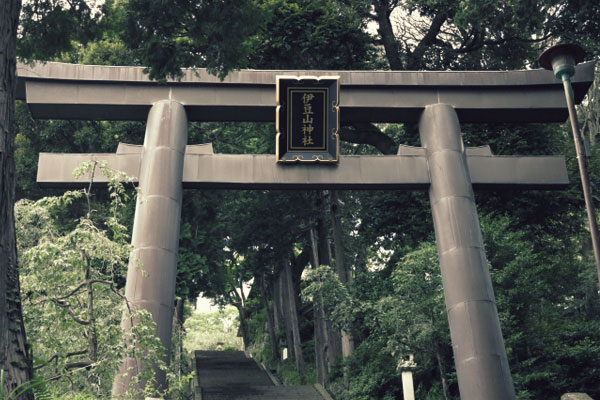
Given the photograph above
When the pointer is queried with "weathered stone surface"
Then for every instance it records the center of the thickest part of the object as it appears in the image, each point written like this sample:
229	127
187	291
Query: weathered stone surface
152	266
69	91
243	171
479	353
575	396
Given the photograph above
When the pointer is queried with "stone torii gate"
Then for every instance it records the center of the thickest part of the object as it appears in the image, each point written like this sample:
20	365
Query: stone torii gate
436	100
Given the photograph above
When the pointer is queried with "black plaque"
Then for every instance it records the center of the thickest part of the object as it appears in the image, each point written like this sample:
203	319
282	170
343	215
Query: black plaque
307	119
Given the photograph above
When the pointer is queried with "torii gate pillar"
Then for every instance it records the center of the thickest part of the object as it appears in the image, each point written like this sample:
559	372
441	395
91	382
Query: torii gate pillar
479	352
152	266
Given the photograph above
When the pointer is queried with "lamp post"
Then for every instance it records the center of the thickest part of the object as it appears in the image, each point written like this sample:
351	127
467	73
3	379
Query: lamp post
561	59
407	366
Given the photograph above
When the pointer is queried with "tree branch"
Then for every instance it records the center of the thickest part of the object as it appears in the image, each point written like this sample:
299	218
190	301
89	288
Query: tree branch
415	59
79	365
67	307
81	286
56	356
383	11
365	133
478	42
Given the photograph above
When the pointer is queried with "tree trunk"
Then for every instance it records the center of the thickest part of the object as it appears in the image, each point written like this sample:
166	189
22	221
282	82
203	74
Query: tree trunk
243	324
177	353
319	333
285	299
179	307
14	357
294	319
333	341
338	244
322	231
320	343
92	334
386	33
415	59
314	247
342	271
442	374
270	323
277	306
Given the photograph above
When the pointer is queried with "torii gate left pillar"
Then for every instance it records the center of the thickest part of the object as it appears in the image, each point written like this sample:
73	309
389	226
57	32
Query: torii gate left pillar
155	237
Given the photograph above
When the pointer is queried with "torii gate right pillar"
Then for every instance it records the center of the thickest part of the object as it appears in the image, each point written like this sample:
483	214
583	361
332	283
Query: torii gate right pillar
479	352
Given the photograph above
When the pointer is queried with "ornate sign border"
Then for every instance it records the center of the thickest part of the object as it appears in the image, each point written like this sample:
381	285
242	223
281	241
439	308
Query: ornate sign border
285	152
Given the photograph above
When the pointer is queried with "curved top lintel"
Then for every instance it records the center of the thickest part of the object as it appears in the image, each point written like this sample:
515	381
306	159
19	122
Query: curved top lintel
71	91
200	76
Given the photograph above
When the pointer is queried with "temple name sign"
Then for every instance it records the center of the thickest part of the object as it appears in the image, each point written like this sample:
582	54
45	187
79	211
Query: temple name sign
307	119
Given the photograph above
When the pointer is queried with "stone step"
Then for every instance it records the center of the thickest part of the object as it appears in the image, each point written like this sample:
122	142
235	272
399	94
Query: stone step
235	392
223	368
230	375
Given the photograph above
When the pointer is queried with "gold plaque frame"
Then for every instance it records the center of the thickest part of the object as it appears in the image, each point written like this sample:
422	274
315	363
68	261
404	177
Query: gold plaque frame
329	151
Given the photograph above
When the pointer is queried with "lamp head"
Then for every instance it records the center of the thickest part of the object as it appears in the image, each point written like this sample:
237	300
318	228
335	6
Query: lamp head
562	59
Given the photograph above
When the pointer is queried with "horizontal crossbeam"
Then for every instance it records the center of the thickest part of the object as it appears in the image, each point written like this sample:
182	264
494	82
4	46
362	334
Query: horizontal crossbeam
68	91
408	170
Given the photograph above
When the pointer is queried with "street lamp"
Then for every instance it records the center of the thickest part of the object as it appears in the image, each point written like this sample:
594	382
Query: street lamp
407	367
561	59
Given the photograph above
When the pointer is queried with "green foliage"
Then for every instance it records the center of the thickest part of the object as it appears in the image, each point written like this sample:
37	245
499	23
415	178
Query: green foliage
256	322
541	299
181	369
578	23
51	27
38	385
418	314
68	278
72	299
142	344
324	286
288	374
303	34
373	374
202	244
217	35
222	36
404	317
107	48
206	330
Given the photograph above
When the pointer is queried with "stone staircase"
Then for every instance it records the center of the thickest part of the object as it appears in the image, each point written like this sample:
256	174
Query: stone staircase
230	375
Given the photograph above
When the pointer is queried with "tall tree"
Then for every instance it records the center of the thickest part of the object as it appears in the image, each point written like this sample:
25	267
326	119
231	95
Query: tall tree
39	17
14	356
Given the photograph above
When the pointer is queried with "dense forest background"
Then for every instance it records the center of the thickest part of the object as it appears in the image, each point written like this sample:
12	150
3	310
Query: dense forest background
347	281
